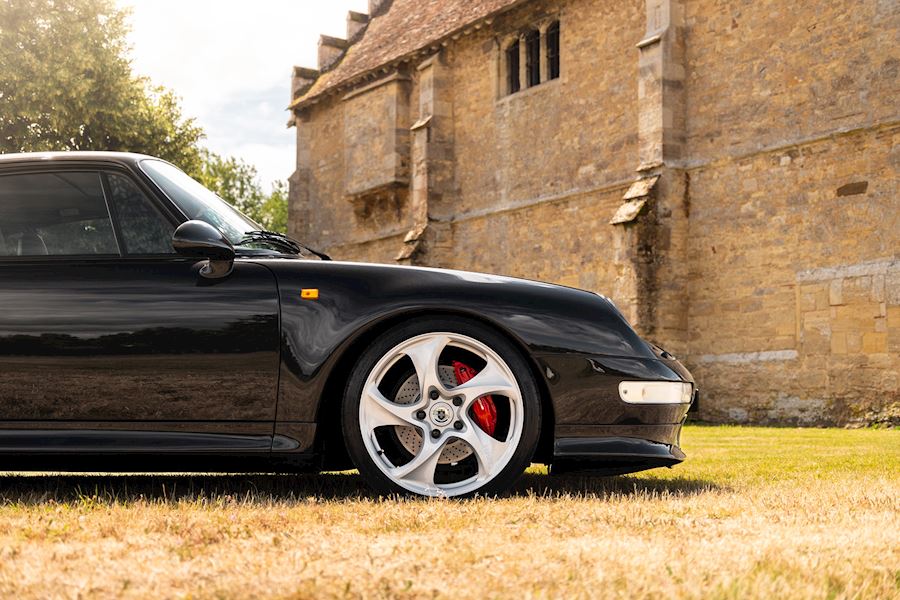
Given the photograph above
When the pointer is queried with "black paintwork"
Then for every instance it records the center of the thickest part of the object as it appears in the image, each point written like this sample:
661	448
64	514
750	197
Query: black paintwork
149	357
612	455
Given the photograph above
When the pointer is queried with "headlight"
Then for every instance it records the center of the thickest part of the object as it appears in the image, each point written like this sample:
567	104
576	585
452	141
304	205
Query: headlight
655	392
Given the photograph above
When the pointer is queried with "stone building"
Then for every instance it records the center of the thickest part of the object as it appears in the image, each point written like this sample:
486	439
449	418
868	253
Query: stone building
725	170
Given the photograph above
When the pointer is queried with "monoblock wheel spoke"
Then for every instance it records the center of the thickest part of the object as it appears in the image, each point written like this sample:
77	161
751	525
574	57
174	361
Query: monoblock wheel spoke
420	469
424	356
487	450
379	411
491	380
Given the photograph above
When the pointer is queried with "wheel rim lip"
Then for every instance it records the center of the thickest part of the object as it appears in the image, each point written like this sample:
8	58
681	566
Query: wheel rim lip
514	436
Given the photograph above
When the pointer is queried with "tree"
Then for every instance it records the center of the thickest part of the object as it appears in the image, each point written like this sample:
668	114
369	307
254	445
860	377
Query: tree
232	179
237	183
275	208
66	83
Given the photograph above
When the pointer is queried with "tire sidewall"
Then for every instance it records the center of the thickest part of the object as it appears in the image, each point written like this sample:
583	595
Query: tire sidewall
531	401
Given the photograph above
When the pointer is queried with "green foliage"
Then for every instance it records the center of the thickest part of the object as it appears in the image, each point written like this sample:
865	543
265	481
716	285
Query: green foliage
237	182
66	84
275	208
232	179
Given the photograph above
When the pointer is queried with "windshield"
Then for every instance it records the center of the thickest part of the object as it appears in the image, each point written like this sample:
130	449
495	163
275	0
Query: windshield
197	202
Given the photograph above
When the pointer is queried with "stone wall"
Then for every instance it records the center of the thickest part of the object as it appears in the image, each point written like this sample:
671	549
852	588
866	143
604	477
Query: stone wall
792	137
769	74
795	279
329	209
765	136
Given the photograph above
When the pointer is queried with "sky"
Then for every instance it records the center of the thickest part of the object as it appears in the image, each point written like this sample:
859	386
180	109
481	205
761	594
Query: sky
231	64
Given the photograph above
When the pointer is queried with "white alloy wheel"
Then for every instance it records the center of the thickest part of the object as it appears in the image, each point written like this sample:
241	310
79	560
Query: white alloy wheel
418	424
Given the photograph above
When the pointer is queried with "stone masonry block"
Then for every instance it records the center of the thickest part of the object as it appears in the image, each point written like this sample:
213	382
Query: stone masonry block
874	343
892	287
835	295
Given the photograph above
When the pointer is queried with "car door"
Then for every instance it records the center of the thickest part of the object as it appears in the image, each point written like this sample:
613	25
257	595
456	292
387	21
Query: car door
105	330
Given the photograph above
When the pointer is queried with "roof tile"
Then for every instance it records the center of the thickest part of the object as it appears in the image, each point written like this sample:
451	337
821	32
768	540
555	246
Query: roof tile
407	27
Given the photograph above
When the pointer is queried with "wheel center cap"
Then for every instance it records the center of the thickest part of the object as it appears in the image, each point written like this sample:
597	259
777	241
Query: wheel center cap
441	413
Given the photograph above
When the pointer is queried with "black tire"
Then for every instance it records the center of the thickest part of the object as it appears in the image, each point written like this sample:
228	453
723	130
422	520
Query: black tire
350	421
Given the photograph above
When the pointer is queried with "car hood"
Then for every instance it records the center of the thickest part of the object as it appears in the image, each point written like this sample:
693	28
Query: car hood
544	316
286	261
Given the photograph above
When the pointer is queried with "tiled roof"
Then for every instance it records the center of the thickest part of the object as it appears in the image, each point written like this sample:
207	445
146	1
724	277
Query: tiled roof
407	27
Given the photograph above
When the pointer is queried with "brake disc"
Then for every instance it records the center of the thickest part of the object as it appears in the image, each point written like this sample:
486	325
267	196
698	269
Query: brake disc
410	438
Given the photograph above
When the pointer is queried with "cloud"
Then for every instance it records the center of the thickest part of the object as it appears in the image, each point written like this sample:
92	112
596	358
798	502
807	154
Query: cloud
231	63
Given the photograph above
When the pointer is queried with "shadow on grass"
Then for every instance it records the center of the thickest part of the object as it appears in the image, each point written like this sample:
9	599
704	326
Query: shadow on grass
261	489
576	484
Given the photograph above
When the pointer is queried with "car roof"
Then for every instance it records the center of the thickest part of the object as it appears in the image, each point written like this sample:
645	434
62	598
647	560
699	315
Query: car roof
43	157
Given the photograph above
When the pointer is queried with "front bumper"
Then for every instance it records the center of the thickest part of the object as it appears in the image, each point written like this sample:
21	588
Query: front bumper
597	431
585	390
620	449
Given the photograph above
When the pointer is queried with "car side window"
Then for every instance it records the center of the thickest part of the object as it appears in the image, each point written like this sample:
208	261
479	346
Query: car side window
54	214
143	230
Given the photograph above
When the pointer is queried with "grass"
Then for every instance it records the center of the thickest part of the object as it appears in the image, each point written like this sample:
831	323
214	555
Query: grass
753	513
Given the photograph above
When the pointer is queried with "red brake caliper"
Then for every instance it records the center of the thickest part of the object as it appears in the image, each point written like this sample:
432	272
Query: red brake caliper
484	408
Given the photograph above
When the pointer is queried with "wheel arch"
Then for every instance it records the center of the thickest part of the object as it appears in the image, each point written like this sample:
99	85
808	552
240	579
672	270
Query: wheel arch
329	438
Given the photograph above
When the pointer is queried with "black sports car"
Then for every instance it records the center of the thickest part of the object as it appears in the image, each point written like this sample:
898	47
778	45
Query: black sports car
147	325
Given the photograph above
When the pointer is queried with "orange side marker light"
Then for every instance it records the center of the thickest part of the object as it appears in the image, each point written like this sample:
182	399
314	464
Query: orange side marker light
309	293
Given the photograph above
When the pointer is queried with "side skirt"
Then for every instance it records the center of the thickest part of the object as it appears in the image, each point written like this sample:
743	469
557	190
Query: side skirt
159	463
115	450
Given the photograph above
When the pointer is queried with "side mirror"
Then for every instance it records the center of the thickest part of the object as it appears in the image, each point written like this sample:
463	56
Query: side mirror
198	239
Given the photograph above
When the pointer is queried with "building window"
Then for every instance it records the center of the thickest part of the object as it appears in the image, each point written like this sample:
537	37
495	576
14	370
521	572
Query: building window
538	48
533	58
553	51
512	68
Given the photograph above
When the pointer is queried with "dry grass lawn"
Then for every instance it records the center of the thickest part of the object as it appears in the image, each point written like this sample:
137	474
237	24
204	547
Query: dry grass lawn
754	512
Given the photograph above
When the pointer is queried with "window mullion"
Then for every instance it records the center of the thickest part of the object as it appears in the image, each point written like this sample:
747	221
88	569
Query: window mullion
545	73
523	62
